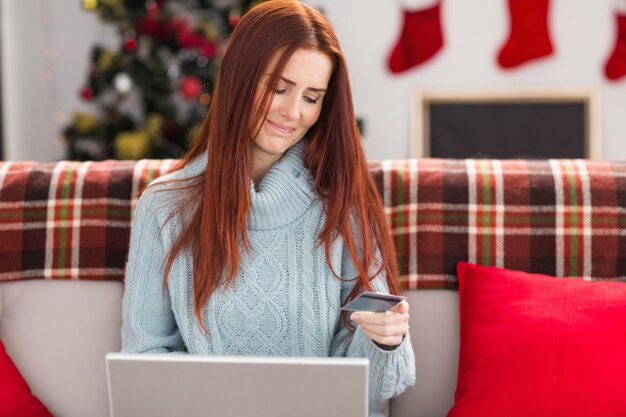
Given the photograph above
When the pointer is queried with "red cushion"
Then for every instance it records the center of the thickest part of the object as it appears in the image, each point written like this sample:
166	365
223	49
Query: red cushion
15	396
534	345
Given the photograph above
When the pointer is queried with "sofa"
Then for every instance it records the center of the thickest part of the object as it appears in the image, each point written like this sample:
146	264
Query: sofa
64	231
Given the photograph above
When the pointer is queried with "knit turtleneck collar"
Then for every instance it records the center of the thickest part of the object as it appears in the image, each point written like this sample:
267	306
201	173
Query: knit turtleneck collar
284	194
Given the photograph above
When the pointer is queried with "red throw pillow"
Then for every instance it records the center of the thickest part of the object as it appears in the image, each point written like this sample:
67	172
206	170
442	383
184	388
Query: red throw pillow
534	345
15	396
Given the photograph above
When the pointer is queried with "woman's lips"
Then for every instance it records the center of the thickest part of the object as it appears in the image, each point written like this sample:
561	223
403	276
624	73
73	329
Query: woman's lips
281	128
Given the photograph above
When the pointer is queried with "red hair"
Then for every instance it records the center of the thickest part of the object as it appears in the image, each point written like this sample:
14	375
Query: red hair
334	155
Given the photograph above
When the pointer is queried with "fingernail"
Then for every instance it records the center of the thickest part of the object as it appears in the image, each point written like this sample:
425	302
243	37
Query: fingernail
354	317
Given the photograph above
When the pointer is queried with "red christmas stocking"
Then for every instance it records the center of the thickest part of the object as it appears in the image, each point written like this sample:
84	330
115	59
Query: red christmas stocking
529	37
420	39
615	66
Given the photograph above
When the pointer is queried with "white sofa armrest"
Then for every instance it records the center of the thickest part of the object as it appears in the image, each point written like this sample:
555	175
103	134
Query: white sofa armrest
57	333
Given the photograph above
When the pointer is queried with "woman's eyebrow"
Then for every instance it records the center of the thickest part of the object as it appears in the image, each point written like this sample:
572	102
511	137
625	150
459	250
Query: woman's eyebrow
317	90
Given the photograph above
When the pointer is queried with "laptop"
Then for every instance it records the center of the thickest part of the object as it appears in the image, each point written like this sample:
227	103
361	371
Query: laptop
177	384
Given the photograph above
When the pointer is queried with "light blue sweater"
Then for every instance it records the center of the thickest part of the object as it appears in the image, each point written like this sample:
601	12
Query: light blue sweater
285	302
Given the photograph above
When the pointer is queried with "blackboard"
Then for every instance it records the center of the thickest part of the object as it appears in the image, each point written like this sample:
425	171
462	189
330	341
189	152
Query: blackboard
532	124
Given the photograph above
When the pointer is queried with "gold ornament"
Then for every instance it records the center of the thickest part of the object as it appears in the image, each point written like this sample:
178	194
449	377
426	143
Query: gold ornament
191	134
114	4
106	60
209	30
154	125
85	123
90	4
132	145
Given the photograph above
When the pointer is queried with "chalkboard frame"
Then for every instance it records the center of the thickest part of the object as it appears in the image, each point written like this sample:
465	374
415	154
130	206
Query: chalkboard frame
423	99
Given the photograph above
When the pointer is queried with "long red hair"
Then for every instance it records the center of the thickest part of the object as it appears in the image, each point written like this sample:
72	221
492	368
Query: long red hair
334	155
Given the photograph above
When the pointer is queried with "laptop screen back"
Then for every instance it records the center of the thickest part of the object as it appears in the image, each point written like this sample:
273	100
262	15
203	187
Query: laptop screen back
174	384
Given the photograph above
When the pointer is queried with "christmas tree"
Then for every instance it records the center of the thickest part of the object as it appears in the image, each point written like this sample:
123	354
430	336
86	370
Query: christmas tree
151	93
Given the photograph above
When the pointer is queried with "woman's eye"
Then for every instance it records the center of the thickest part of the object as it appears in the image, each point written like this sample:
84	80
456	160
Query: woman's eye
281	91
310	100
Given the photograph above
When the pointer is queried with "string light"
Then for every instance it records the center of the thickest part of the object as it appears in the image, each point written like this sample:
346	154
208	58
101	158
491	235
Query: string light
45	75
123	83
51	54
58	117
202	61
204	99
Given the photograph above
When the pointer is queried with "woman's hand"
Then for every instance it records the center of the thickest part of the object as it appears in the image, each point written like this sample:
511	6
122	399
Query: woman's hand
386	328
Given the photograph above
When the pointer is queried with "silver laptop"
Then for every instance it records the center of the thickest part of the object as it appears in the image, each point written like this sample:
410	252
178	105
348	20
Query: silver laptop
174	384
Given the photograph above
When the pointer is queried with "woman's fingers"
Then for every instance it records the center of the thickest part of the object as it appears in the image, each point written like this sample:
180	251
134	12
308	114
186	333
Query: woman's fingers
391	339
386	328
391	331
380	319
403	307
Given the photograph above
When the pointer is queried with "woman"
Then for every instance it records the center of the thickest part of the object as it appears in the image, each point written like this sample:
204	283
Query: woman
271	222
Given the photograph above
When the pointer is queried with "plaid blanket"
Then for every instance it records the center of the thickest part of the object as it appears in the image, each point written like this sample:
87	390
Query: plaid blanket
557	217
71	220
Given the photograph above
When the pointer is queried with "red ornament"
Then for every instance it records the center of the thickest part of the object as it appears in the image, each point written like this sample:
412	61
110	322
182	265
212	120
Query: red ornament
130	44
153	7
86	93
180	25
191	87
233	19
148	26
190	39
208	49
156	28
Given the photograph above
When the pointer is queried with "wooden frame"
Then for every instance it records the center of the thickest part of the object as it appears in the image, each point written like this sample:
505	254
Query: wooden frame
588	96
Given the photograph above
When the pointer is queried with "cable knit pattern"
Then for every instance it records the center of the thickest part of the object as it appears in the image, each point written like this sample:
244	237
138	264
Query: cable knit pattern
285	301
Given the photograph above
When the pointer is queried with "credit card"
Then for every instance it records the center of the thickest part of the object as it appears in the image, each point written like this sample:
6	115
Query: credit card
376	302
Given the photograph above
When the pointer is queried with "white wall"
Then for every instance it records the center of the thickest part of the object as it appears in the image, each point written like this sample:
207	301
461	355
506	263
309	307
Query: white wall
583	34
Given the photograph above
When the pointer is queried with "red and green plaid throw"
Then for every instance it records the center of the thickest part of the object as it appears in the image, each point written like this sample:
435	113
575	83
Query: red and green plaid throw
557	217
71	220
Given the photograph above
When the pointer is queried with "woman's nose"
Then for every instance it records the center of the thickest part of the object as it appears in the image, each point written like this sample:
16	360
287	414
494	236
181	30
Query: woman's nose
290	108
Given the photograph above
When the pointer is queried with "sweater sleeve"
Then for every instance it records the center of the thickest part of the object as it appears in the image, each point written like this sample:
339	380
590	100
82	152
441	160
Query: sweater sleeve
391	372
148	322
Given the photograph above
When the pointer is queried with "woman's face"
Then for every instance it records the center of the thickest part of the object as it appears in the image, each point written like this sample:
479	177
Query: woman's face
296	104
